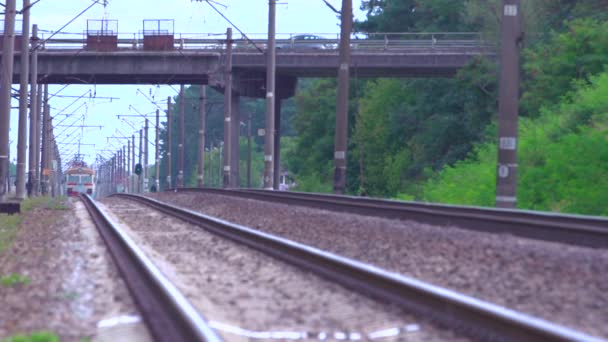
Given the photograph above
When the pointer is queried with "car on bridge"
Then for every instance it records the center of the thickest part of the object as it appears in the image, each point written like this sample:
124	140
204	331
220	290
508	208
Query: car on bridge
305	42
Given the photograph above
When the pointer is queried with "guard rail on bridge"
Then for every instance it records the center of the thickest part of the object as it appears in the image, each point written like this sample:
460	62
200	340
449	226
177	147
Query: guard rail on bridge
321	42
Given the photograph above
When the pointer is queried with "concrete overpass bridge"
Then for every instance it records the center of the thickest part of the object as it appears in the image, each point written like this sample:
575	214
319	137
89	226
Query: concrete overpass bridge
201	61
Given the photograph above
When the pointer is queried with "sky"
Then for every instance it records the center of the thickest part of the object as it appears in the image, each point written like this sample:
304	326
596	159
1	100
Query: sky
191	18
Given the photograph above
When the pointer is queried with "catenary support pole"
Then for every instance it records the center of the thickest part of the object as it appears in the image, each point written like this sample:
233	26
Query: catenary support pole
235	152
129	189
169	182
146	159
39	116
180	144
125	176
23	100
32	166
141	154
201	135
44	146
277	143
270	94
341	138
146	149
227	174
249	151
6	75
508	103
157	152
133	162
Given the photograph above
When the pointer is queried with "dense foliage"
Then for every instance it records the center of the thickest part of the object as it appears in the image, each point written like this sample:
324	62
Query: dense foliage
563	159
434	139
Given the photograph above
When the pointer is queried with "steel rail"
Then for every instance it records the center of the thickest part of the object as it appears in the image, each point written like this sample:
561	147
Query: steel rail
469	315
587	231
167	313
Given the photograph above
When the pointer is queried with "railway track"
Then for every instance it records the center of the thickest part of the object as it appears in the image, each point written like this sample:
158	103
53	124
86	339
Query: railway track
587	231
475	318
168	315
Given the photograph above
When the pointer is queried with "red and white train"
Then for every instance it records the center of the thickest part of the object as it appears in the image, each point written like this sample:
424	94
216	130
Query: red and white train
79	178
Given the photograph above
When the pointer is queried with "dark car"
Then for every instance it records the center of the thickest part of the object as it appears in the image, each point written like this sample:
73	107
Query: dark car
304	41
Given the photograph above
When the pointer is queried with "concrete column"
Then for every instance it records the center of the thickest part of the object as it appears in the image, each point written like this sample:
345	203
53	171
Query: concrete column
39	116
341	135
235	128
201	135
5	94
44	147
169	182
228	182
146	146
277	143
133	176
141	152
181	133
125	176
129	189
508	105
22	138
157	152
32	162
270	94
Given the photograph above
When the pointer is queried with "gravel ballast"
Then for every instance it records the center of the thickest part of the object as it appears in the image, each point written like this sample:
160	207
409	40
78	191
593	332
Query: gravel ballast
557	282
75	290
246	295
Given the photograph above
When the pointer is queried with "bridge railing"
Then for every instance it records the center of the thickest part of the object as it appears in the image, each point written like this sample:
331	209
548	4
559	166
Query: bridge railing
285	41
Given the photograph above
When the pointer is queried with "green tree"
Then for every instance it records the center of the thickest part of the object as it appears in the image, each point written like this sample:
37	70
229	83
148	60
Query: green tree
551	68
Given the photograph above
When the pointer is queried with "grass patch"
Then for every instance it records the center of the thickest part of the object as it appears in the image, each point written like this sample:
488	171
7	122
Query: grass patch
14	279
37	336
9	224
52	203
8	229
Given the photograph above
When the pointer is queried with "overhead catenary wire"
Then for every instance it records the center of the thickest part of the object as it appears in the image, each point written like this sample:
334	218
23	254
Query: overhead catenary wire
233	25
95	2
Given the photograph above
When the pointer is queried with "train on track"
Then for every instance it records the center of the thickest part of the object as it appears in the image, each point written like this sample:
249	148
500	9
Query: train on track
79	178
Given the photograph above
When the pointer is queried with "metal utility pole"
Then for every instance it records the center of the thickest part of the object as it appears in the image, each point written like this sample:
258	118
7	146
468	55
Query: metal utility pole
118	168
45	143
341	142
168	152
201	136
249	151
32	177
132	181
219	165
211	179
128	184
141	152
508	103
180	145
270	95
228	139
125	175
156	152
146	145
6	76
23	93
39	124
277	143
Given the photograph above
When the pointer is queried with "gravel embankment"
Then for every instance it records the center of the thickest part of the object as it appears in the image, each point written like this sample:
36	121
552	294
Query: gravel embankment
244	293
557	282
75	290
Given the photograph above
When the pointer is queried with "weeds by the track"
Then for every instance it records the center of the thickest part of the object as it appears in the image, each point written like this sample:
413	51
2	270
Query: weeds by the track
37	336
9	224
